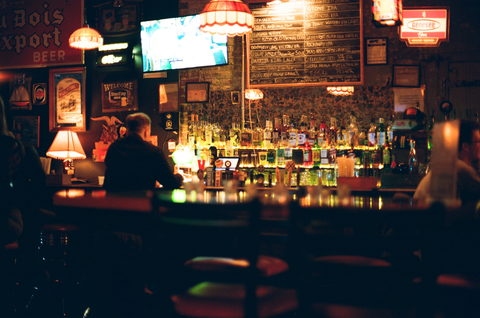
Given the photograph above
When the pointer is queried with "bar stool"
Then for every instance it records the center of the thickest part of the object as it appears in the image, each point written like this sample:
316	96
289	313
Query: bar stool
59	250
8	262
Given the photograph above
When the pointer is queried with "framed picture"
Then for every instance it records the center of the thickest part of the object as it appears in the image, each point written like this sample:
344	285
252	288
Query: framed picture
197	92
67	99
121	20
376	51
27	129
119	96
168	97
406	75
20	93
39	94
235	97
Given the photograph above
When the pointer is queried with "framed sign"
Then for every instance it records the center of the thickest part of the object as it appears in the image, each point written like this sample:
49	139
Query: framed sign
118	20
168	97
406	75
27	129
67	99
119	96
197	92
20	93
376	51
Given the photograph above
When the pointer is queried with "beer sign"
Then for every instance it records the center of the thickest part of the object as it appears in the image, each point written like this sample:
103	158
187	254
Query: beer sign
425	26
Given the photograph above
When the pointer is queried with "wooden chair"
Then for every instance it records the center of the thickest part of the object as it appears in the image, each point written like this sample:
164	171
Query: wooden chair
351	262
211	252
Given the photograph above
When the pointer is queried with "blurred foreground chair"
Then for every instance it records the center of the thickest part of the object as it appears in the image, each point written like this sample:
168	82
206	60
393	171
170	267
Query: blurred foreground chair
211	251
351	262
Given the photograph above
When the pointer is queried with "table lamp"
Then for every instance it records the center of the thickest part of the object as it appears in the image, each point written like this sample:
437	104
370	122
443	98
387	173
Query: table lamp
66	146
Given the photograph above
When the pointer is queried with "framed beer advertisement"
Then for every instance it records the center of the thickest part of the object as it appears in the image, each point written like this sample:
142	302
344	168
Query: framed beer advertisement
27	129
67	99
119	96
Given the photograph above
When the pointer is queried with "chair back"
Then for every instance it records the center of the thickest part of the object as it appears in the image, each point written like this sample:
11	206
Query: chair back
361	249
211	229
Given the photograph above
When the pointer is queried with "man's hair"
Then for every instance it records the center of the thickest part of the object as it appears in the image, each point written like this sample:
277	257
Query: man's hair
137	122
467	127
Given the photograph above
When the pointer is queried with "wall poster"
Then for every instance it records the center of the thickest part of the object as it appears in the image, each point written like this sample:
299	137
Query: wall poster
67	99
27	129
119	96
35	33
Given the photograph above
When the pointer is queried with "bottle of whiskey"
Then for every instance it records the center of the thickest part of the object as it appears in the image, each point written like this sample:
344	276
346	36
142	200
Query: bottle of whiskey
381	135
372	132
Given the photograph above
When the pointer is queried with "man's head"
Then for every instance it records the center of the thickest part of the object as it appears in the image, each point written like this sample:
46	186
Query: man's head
140	124
469	143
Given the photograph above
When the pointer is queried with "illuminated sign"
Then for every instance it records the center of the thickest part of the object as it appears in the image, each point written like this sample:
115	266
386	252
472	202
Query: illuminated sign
424	27
387	12
114	54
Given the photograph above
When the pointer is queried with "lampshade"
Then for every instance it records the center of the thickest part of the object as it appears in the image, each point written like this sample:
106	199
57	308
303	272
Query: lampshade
230	17
341	90
85	39
387	12
66	145
253	94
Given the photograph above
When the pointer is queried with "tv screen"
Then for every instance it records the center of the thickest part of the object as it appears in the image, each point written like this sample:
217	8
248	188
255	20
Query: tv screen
178	43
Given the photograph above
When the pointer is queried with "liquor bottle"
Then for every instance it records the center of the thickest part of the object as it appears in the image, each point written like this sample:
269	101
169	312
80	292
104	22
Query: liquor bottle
288	154
412	158
322	134
342	134
386	156
390	132
381	135
361	138
229	148
276	132
332	131
257	137
430	130
372	134
302	132
312	133
271	156
316	154
307	155
284	132
192	131
353	132
393	165
280	157
267	134
292	135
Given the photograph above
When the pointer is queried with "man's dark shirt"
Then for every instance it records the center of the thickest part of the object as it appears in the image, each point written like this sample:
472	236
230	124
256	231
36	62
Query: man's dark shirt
133	163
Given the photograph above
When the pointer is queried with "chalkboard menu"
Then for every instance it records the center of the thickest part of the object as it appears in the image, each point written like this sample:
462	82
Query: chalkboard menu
306	42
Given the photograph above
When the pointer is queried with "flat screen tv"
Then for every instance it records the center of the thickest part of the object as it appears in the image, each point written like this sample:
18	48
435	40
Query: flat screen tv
178	43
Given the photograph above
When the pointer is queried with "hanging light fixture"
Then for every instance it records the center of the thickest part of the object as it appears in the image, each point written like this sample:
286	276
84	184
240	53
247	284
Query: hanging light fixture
85	38
341	90
230	17
253	94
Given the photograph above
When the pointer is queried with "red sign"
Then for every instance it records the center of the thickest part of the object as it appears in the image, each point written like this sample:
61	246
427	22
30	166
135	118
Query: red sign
35	33
424	27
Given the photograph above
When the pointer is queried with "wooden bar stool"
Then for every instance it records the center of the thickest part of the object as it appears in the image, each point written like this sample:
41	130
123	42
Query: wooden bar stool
59	253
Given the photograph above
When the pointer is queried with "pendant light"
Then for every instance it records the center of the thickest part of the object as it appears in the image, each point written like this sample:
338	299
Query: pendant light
85	38
230	17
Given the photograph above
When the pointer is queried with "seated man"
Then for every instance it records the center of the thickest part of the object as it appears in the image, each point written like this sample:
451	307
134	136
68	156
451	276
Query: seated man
134	163
468	179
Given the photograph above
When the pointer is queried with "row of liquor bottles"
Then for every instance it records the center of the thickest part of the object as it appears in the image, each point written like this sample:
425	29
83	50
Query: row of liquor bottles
284	133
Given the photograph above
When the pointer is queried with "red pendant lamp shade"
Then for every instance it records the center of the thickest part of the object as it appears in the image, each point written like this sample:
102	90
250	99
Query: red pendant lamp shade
230	17
85	39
